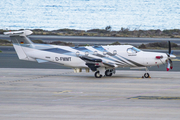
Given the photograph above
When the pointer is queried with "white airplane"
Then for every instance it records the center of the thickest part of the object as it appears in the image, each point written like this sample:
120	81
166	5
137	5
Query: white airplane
100	59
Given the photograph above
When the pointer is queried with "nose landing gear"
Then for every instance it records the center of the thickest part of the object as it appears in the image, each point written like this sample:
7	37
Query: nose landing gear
146	75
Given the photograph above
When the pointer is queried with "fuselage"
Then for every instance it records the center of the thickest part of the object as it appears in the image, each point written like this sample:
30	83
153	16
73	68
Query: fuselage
101	59
119	55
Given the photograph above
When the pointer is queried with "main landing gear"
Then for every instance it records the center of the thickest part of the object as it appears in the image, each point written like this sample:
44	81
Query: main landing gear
108	72
97	74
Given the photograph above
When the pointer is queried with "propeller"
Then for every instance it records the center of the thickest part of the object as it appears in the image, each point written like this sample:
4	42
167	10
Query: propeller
170	56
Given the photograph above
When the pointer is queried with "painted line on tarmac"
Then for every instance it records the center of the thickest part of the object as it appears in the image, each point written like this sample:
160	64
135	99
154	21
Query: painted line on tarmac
60	92
155	98
175	59
33	78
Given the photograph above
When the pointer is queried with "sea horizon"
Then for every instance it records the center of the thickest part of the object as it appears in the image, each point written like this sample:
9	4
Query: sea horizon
90	14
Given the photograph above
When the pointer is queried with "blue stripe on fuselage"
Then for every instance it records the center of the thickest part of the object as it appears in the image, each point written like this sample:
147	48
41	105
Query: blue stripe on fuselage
57	50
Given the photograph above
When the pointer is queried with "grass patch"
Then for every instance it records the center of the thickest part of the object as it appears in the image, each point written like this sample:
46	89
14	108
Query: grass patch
39	41
160	46
5	43
115	43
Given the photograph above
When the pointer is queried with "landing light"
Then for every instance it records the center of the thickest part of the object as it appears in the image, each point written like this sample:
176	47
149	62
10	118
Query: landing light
97	64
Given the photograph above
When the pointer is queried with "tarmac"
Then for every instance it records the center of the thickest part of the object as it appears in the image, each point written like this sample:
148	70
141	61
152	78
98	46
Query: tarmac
60	94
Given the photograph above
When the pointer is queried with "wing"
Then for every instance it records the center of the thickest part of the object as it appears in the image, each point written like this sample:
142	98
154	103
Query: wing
94	63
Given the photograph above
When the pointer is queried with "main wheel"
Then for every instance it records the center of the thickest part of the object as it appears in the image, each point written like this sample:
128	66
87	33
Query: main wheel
146	75
108	73
97	74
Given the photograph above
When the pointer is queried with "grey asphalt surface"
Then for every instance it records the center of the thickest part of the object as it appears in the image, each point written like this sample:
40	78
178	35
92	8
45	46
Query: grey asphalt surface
97	40
9	59
51	94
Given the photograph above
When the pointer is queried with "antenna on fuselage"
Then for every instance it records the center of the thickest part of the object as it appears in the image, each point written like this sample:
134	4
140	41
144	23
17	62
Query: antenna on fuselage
96	45
77	46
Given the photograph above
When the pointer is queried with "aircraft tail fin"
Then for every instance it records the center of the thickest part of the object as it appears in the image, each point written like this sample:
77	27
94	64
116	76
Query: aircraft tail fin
21	42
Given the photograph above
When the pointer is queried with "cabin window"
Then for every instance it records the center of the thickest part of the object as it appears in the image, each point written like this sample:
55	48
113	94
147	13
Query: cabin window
77	53
86	53
95	52
114	52
104	53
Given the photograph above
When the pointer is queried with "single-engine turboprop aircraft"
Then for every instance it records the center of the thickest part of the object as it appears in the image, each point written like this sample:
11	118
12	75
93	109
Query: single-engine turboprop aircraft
100	59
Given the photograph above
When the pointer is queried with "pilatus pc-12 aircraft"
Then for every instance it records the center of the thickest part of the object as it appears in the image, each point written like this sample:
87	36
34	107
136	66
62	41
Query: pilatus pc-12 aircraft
103	60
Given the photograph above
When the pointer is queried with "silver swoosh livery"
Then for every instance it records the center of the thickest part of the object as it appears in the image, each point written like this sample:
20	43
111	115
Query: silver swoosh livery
100	59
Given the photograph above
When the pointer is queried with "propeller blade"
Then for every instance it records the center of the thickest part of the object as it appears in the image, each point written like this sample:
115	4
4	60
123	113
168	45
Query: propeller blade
171	67
168	66
169	47
170	56
171	64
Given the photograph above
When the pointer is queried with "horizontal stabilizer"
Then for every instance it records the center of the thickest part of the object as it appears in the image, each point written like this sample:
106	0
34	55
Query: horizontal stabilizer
15	33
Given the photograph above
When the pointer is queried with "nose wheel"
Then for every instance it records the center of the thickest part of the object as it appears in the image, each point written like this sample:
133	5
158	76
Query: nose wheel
146	75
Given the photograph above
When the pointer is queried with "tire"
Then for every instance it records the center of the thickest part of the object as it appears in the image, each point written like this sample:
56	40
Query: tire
97	74
146	75
108	73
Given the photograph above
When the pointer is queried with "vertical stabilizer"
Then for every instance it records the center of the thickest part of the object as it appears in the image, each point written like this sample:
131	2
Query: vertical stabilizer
20	42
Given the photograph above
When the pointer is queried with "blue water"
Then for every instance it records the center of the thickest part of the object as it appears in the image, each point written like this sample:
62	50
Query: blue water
89	14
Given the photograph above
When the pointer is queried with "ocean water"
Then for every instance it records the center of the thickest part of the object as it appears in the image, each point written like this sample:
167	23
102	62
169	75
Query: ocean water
90	14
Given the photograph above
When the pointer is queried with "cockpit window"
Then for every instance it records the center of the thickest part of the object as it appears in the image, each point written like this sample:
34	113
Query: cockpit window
133	50
130	50
136	49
